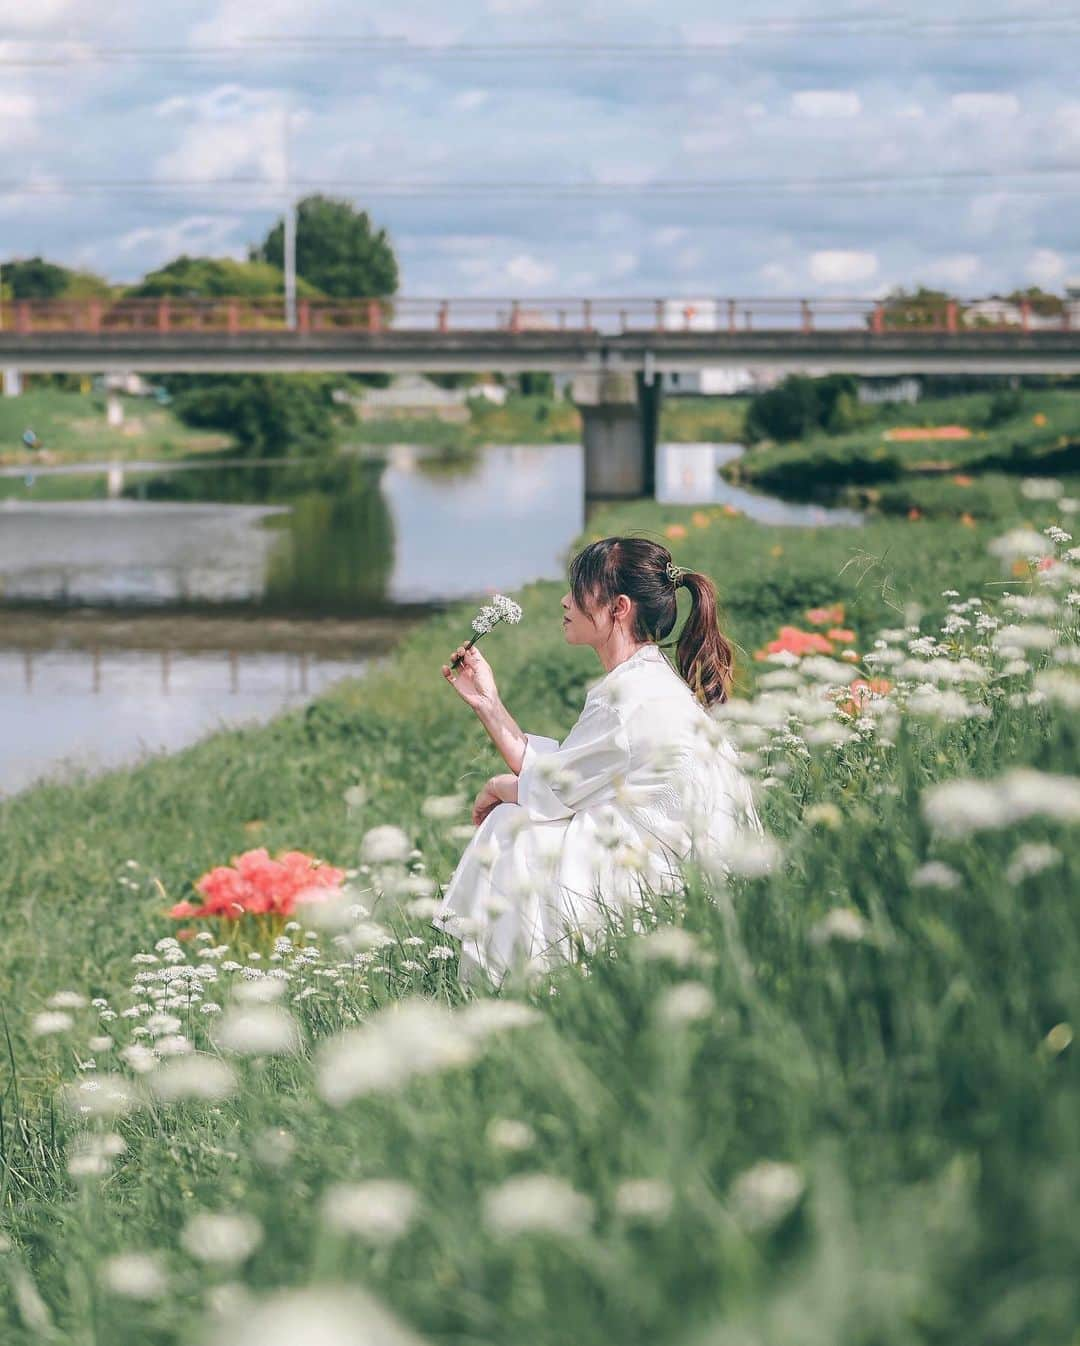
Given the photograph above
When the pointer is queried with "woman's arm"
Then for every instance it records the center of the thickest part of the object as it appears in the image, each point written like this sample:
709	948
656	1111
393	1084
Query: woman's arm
474	682
505	733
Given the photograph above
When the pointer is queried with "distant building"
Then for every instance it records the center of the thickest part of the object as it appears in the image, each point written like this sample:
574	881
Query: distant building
873	392
412	395
710	381
996	311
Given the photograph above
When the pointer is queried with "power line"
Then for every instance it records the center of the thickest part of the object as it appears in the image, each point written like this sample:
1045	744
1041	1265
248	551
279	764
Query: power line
1039	179
69	53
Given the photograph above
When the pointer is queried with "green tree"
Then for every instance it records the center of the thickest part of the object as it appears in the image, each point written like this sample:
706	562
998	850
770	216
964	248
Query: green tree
919	308
35	278
214	277
791	410
337	250
269	415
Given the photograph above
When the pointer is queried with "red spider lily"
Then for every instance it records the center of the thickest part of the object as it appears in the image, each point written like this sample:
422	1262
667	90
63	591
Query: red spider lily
256	885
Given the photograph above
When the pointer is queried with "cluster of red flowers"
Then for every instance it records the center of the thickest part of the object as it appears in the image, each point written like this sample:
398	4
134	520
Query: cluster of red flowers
792	640
256	885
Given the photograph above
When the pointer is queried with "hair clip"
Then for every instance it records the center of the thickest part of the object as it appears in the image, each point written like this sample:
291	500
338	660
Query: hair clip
674	572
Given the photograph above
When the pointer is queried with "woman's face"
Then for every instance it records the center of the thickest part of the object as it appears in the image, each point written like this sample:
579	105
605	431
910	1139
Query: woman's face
578	627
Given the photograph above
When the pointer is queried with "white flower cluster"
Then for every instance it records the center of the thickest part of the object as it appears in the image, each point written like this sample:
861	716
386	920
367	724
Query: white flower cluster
500	609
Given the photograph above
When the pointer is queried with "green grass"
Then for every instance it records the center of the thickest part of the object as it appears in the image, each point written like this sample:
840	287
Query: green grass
918	1080
71	427
865	457
693	420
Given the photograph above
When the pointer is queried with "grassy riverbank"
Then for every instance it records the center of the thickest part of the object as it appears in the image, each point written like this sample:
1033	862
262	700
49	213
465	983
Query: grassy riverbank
840	1106
1031	432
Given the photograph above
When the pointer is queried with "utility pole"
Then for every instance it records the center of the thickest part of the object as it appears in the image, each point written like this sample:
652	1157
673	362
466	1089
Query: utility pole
290	228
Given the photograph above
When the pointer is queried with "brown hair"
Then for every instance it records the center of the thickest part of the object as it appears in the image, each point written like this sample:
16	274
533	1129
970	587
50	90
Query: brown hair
637	567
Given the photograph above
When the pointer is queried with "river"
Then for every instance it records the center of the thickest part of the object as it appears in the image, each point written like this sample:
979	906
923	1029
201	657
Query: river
139	624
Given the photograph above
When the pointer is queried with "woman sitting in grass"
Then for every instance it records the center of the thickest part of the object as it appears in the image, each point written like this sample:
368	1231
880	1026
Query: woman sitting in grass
644	782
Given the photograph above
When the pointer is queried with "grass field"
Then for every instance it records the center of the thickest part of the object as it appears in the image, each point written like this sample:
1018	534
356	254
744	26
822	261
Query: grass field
833	1103
1041	434
71	427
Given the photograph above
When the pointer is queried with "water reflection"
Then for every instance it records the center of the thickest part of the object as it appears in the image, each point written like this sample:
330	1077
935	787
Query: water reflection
689	474
63	709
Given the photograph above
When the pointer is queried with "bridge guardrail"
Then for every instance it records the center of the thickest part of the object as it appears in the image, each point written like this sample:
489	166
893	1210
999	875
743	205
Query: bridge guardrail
233	315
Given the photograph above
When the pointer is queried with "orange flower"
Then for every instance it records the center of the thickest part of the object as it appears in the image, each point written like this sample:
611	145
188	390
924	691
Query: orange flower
831	616
675	531
842	634
793	641
1039	418
961	479
967	520
700	519
862	690
732	512
914	513
1020	568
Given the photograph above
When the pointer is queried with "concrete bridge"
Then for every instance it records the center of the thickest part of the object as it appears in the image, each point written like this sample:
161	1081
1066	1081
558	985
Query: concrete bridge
615	348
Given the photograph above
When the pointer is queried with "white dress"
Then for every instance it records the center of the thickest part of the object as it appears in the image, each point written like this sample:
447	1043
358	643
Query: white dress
645	780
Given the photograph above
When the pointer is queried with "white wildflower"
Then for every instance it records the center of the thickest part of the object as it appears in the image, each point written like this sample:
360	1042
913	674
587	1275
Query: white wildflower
1041	488
507	1133
102	1095
221	1238
684	1003
500	609
841	923
258	1030
49	1022
442	807
671	944
537	1203
200	1076
67	1000
766	1194
646	1200
1032	858
935	874
326	1315
1059	686
1020	544
139	1276
385	843
414	1037
957	808
378	1211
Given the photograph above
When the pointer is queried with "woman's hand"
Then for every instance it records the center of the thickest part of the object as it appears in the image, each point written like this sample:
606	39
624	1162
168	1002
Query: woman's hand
472	679
498	790
486	800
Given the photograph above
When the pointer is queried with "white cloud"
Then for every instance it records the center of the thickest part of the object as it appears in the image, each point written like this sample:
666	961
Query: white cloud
624	263
1045	266
530	271
826	103
842	267
228	131
976	106
957	270
777	277
669	235
18	118
471	99
38	16
213	235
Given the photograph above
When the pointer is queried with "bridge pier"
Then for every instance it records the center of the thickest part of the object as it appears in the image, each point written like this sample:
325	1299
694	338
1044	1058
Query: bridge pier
620	415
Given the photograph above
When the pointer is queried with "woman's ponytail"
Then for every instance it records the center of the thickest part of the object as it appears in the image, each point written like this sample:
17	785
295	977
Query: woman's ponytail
705	656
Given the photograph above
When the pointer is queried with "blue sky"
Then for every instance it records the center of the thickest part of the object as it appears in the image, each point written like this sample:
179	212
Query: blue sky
955	132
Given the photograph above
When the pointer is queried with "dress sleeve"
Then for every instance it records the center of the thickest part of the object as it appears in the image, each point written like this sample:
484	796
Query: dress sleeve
558	781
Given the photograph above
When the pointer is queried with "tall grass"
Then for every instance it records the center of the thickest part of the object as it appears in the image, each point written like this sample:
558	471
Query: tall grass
834	1103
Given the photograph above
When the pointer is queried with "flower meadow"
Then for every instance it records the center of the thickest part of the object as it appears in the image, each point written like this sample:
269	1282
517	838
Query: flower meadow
826	1095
